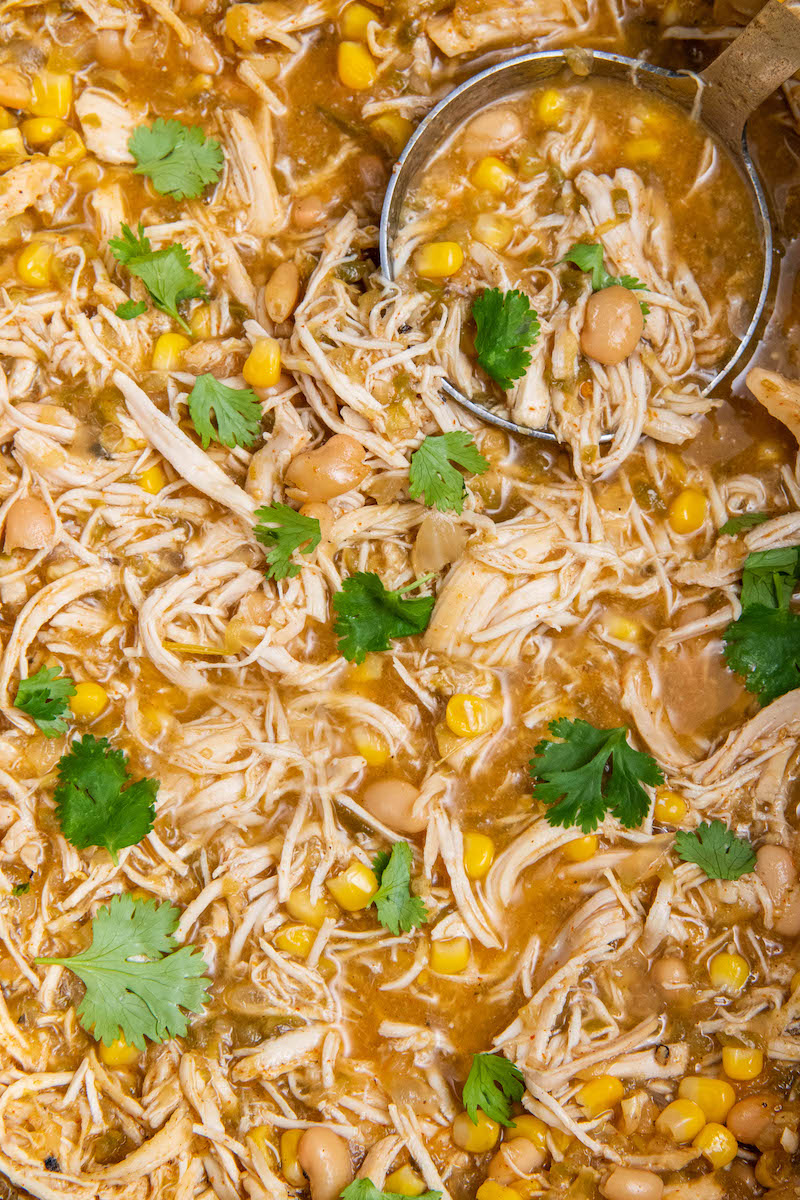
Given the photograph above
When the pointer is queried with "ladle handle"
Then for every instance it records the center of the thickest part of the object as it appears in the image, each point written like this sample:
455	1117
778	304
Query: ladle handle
765	54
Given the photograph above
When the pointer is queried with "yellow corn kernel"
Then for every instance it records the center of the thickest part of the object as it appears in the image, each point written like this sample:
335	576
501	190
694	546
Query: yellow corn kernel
492	175
468	716
478	854
493	231
356	66
371	745
477	1138
260	1136
580	849
551	106
262	368
600	1094
34	265
200	321
717	1144
450	956
532	1128
68	150
623	629
681	1120
290	1168
168	351
355	22
670	808
296	940
89	700
6	119
152	480
643	149
438	260
42	131
354	888
492	1189
714	1096
742	1063
300	906
687	511
393	128
773	1169
12	148
405	1182
52	94
119	1053
729	972
369	670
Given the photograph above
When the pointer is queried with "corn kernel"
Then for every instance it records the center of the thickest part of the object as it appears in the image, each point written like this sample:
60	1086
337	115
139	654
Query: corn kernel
42	131
643	149
600	1094
260	1136
714	1096
262	368
681	1120
478	854
717	1144
492	175
393	128
355	21
68	150
551	106
450	956
742	1063
532	1128
372	746
369	670
356	66
623	629
52	94
580	849
492	231
119	1053
6	119
12	148
687	511
296	940
152	480
405	1182
290	1167
300	906
200	321
438	260
475	1138
670	808
168	351
89	700
354	888
34	265
774	1168
729	972
469	716
492	1189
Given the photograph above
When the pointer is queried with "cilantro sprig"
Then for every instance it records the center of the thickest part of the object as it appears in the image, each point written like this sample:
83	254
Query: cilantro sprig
588	256
368	615
592	772
179	159
433	478
364	1189
130	309
716	850
398	910
45	697
763	644
507	327
283	530
236	412
97	802
137	980
166	273
492	1084
746	520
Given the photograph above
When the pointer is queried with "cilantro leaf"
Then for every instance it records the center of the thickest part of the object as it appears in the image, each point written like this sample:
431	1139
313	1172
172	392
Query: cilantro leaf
97	804
142	999
284	530
592	772
368	616
507	328
167	273
716	850
364	1189
493	1082
744	521
769	576
588	256
236	411
130	309
432	478
44	697
763	646
179	159
398	910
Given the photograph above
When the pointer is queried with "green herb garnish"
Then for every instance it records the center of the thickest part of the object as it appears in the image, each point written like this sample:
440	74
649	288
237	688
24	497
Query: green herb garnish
716	850
398	910
45	697
492	1084
97	802
167	273
283	530
236	412
434	480
368	616
179	159
744	521
507	328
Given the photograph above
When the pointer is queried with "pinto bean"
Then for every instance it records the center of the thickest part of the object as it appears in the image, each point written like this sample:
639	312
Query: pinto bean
612	326
331	469
631	1183
776	870
325	1158
392	802
281	292
29	524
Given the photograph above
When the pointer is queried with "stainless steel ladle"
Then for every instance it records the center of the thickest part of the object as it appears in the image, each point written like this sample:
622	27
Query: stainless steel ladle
722	97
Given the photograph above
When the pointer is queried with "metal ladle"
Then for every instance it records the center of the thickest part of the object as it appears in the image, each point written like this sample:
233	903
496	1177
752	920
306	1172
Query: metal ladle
722	97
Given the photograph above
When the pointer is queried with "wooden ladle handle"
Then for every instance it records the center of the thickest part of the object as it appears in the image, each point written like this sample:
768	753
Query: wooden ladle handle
765	54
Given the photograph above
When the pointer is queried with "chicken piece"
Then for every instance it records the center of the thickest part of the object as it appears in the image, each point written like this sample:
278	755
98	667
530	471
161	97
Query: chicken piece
779	395
107	123
463	31
250	179
22	186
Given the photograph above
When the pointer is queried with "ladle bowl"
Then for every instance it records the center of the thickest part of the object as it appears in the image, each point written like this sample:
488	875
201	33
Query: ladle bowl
721	98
